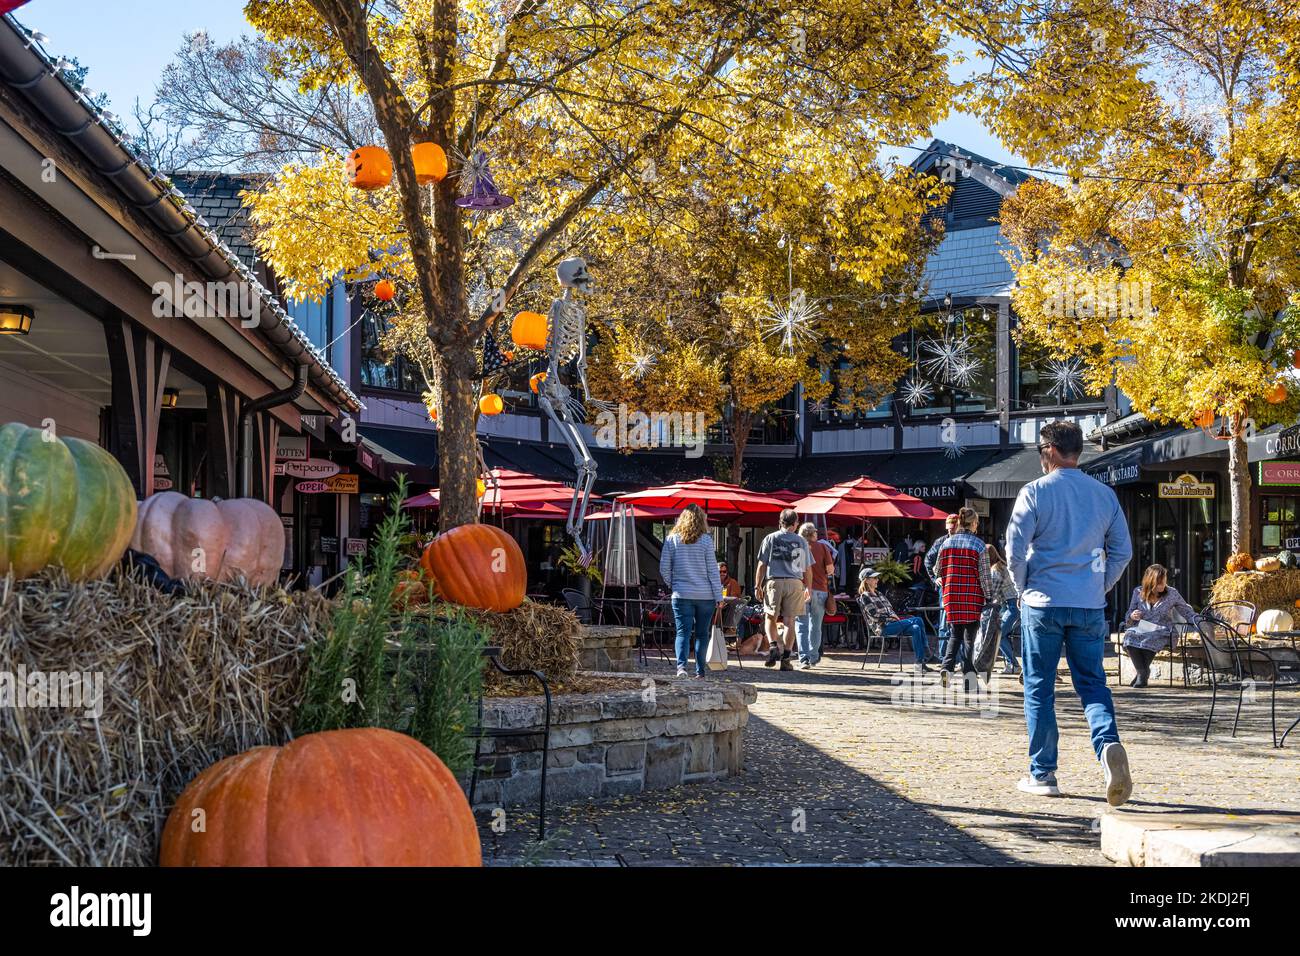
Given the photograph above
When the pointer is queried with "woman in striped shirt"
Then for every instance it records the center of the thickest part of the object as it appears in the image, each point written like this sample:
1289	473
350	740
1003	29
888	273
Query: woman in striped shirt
689	566
962	570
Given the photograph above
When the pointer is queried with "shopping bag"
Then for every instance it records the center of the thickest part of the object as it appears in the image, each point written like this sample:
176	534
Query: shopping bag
717	655
986	641
831	606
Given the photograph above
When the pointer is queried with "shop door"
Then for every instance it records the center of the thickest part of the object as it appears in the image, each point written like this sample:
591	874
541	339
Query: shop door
1186	543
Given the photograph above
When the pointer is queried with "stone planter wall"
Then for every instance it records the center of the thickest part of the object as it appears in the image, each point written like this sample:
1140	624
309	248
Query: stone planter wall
616	742
608	647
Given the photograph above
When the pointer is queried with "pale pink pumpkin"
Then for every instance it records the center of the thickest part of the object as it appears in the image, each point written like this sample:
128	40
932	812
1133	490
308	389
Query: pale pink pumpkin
196	538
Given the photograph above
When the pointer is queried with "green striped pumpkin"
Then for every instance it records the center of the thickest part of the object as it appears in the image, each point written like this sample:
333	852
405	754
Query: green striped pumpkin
63	502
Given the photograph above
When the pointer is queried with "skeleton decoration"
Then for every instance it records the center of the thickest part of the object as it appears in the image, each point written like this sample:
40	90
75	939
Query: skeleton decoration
566	342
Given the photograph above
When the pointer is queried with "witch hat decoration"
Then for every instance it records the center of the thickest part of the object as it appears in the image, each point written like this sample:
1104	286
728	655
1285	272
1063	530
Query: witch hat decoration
483	191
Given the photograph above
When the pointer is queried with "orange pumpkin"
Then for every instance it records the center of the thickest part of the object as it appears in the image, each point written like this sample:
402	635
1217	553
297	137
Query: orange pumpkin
433	413
1204	418
491	404
477	565
412	589
480	488
1295	358
195	538
430	163
528	330
1275	394
370	168
385	290
359	797
536	381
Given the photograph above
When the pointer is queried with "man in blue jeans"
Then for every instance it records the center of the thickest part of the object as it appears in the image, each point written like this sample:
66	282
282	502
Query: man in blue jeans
1067	545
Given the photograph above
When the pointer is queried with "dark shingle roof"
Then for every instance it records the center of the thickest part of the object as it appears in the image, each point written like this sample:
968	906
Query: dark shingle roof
216	197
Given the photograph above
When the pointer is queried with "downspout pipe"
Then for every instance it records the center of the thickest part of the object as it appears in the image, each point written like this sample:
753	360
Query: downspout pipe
274	400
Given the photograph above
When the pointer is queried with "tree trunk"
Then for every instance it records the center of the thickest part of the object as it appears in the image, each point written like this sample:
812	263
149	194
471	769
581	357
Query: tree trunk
457	440
741	423
1239	488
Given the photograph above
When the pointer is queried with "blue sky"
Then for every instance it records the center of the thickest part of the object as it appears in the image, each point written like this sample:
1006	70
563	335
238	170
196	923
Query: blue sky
127	43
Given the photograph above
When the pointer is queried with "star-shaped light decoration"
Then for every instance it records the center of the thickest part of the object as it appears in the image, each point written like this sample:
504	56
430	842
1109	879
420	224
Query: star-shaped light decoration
477	299
791	320
917	392
1066	378
638	365
953	449
818	407
949	359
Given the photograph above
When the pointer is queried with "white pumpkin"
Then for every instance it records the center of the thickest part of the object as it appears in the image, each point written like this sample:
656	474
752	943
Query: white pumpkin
196	538
1272	621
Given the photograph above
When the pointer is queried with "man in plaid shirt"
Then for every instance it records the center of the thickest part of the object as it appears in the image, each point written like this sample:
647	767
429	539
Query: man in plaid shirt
962	569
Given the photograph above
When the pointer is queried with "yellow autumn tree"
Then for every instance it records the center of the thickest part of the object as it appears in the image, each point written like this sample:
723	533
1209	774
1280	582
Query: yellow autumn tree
1167	262
575	106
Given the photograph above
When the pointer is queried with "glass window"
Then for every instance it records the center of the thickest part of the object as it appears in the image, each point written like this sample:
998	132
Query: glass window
379	369
1038	381
955	355
313	318
1277	520
828	411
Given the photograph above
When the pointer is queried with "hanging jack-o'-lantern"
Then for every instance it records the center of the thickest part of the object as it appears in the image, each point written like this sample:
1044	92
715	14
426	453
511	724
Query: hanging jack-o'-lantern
536	381
385	290
433	413
529	330
1204	418
491	404
1275	394
369	167
480	488
430	163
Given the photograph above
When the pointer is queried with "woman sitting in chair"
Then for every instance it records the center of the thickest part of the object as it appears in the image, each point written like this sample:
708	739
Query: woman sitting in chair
1155	603
877	608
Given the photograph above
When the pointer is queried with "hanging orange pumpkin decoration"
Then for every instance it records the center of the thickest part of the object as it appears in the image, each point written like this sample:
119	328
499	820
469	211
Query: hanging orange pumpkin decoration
491	404
1295	358
433	413
385	290
1275	394
430	163
529	330
370	168
1204	418
480	488
536	381
510	356
477	565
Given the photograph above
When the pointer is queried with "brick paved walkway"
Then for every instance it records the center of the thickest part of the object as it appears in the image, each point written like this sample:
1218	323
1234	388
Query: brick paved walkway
836	771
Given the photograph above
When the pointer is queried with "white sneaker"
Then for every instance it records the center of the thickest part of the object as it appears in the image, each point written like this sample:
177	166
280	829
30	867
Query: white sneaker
1041	788
1119	782
681	671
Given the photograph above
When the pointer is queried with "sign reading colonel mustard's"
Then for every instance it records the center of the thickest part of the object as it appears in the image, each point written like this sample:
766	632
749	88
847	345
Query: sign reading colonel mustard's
1185	486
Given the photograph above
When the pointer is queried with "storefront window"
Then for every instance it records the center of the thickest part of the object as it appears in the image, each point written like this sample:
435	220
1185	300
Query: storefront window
974	330
1038	383
379	369
1278	521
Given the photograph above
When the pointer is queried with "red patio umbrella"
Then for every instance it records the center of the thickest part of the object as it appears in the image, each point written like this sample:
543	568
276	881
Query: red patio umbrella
719	500
514	494
864	498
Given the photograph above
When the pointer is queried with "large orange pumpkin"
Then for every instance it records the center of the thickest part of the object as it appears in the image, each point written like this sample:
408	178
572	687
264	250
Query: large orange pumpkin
359	797
370	167
528	330
430	163
477	565
491	404
197	538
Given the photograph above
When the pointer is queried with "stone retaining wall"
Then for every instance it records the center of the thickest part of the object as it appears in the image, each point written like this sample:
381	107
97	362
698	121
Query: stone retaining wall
608	648
654	735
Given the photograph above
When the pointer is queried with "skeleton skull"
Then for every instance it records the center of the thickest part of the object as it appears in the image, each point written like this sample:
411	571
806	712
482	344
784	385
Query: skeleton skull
573	274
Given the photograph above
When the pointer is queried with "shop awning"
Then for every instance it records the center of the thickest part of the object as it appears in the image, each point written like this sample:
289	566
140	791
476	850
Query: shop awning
1118	466
931	475
388	452
1003	475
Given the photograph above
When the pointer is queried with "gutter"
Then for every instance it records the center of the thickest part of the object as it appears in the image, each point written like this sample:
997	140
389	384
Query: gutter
25	68
275	399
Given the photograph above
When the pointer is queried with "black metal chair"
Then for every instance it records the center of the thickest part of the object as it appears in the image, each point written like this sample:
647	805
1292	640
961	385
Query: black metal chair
579	604
1231	660
481	733
731	614
871	631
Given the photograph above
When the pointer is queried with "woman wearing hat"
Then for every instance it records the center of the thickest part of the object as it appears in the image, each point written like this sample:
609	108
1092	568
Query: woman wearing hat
881	613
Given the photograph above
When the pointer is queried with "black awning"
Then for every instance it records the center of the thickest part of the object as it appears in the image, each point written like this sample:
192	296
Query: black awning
1118	466
931	475
388	452
1003	475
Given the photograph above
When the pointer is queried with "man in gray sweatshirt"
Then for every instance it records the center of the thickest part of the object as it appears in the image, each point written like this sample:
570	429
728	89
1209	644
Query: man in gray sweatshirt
1067	545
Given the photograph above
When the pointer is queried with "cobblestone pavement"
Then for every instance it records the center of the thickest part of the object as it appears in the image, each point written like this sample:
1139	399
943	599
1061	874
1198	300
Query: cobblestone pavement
839	771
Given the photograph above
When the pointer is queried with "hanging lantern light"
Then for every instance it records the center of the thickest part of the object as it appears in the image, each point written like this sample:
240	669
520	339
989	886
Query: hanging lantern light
385	290
16	319
528	331
430	163
535	382
491	404
369	167
1275	394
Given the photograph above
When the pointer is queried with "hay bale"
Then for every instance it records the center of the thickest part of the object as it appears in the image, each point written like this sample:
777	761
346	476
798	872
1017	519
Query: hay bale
540	637
1277	589
186	680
